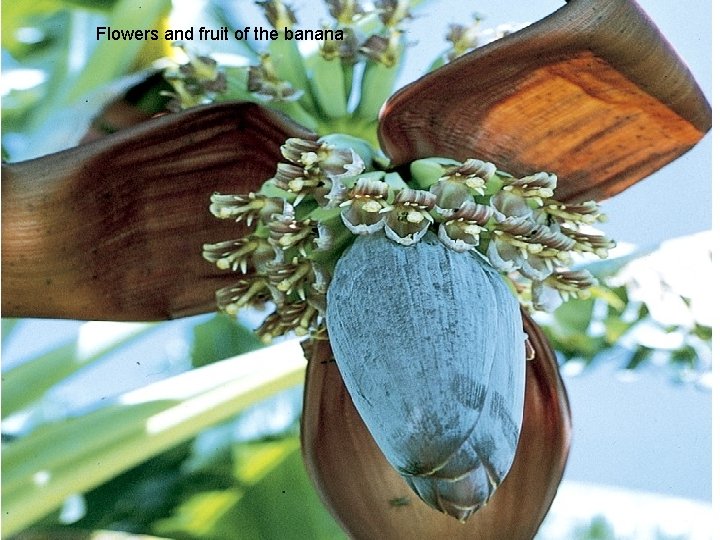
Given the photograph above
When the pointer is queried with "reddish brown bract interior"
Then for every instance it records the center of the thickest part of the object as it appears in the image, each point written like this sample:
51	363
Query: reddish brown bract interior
371	500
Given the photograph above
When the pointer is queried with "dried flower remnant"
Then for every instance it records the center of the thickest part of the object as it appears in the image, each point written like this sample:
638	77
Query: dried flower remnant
197	82
278	13
393	12
383	50
344	11
266	85
464	38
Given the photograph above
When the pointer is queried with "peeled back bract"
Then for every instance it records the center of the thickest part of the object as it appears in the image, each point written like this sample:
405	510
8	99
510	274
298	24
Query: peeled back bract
430	345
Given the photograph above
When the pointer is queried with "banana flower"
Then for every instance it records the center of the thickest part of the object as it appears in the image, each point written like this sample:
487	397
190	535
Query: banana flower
111	229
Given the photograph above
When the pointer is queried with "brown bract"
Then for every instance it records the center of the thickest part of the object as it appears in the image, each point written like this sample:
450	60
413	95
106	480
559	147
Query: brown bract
371	500
592	92
112	229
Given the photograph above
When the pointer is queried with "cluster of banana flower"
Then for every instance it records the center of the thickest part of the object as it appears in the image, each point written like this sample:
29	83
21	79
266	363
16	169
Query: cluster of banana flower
513	222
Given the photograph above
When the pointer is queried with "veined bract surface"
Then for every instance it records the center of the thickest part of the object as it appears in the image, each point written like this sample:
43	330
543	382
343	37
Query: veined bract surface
430	345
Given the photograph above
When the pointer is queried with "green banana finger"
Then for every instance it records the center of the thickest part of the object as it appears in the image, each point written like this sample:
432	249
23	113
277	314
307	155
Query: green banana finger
359	146
290	67
297	112
385	55
427	171
348	76
377	84
327	83
287	60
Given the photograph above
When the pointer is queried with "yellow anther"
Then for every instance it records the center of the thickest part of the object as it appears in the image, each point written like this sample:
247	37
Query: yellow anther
296	184
372	206
309	158
477	184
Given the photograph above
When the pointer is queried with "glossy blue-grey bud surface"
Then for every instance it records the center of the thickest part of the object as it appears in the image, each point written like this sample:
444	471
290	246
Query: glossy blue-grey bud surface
430	345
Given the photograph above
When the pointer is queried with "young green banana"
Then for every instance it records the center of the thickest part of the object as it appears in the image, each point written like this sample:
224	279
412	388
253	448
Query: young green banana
286	56
385	56
327	82
427	171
